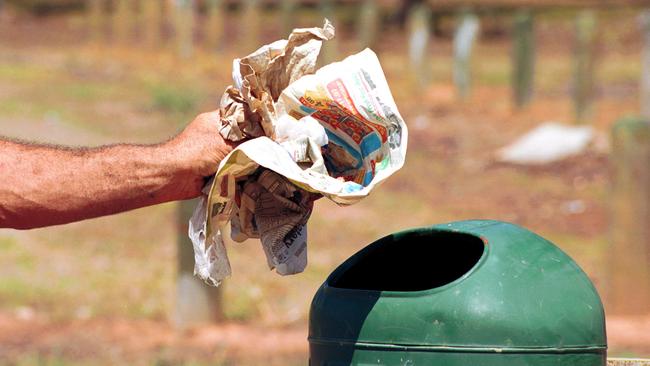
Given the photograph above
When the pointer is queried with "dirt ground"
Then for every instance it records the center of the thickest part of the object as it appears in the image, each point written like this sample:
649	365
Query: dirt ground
132	341
58	286
147	342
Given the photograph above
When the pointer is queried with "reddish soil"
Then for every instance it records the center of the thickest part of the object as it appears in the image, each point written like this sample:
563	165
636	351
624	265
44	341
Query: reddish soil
137	339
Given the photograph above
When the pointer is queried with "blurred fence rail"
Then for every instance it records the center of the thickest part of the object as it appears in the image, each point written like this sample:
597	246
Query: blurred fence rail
215	25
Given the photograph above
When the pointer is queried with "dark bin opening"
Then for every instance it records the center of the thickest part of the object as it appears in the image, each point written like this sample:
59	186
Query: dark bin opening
414	262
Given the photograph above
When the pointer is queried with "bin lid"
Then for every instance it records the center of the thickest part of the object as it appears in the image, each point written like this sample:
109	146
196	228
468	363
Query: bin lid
467	286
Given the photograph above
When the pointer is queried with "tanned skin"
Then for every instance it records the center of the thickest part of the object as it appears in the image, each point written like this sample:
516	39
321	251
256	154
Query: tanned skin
44	185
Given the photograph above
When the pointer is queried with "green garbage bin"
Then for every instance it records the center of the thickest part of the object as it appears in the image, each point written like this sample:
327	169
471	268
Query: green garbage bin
471	293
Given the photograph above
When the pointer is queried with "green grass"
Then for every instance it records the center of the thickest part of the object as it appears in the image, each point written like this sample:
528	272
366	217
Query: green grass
26	73
83	268
91	91
39	360
173	99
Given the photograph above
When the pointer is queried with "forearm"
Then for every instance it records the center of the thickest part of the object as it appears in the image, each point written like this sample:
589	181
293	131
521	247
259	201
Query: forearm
41	185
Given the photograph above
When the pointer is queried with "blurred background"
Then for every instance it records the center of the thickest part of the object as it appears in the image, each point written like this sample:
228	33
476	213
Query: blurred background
469	77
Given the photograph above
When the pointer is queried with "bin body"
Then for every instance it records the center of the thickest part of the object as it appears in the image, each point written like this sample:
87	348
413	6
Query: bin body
473	293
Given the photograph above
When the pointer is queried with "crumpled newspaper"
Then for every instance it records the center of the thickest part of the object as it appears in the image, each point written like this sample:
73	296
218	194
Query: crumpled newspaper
335	132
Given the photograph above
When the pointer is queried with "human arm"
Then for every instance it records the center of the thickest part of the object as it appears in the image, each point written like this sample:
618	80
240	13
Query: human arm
47	185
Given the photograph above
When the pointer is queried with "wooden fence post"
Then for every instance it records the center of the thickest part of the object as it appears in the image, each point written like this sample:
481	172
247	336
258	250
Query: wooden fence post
287	10
196	302
419	30
330	48
464	39
645	65
585	47
368	24
523	53
252	18
151	22
184	27
215	27
122	21
628	287
96	11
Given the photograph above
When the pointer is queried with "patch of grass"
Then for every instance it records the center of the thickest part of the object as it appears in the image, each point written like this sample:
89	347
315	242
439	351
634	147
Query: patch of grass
7	243
24	72
491	70
16	256
90	91
79	270
588	253
624	353
44	360
242	300
619	69
239	307
38	106
55	295
173	99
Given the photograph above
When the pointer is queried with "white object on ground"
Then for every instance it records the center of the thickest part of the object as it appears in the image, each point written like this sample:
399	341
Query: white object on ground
547	143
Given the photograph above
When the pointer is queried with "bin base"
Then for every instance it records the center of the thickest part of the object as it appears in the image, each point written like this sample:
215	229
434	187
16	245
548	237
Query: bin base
342	355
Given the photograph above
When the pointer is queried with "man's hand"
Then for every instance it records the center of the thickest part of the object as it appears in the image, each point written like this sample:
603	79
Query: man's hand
198	150
43	185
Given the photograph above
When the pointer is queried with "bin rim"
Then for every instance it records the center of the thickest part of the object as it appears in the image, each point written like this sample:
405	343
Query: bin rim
418	293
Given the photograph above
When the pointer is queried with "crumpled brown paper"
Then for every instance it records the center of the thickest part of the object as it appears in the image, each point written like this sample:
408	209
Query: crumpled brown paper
248	111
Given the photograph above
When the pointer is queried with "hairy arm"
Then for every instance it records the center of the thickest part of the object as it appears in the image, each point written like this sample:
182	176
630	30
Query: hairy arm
47	185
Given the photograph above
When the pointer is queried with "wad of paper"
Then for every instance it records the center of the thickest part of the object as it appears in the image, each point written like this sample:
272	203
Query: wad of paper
333	132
